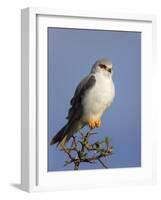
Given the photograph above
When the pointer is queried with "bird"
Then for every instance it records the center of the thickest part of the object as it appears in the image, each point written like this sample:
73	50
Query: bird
92	98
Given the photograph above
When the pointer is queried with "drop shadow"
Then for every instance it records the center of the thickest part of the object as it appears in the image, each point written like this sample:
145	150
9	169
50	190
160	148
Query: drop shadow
18	186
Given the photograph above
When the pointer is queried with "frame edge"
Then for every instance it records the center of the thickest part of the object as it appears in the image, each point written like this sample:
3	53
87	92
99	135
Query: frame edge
25	99
28	100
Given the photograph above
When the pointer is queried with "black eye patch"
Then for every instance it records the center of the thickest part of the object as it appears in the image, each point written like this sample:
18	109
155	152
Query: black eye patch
102	66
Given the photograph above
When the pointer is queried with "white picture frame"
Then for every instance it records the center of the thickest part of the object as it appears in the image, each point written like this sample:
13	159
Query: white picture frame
34	175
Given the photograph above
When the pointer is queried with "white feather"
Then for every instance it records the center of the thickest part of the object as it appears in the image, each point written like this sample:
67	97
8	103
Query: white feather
99	98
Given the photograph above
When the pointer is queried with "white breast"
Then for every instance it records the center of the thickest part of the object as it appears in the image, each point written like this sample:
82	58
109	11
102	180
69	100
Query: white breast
99	98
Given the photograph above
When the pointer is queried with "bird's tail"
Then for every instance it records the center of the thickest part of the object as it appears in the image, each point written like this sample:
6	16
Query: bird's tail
59	136
65	133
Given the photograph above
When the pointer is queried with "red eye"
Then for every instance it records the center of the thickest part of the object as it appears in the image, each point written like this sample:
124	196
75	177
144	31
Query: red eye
102	66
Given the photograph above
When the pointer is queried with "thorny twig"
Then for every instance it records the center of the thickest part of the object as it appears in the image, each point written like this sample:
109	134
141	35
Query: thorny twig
81	150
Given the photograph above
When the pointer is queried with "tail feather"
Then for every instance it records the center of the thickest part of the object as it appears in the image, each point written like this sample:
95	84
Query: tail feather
59	136
66	132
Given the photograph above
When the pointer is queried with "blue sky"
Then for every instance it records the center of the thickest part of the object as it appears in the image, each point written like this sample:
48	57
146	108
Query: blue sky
71	54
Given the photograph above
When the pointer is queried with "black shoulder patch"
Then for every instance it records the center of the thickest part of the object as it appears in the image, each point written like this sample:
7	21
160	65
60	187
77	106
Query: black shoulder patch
91	82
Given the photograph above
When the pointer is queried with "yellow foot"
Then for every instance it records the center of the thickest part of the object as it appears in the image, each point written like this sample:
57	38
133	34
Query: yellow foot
93	123
98	123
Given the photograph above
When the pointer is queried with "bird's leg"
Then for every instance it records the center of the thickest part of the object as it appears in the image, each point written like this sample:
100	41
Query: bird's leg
93	123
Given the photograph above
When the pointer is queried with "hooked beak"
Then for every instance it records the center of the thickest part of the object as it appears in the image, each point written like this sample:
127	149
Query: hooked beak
109	70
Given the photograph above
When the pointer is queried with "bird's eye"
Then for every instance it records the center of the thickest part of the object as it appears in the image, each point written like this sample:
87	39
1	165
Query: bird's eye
102	66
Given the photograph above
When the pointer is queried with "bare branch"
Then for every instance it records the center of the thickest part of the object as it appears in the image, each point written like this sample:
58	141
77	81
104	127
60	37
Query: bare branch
85	151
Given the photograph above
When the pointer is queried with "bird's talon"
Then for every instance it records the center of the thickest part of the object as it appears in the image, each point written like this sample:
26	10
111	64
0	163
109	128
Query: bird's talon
91	124
98	123
94	123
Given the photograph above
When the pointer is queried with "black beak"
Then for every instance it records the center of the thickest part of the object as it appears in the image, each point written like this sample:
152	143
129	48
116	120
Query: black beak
109	70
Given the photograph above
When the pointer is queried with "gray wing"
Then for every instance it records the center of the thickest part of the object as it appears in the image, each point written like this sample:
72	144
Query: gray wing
76	110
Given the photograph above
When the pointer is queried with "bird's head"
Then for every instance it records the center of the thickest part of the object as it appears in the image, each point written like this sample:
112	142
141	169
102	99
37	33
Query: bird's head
102	66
